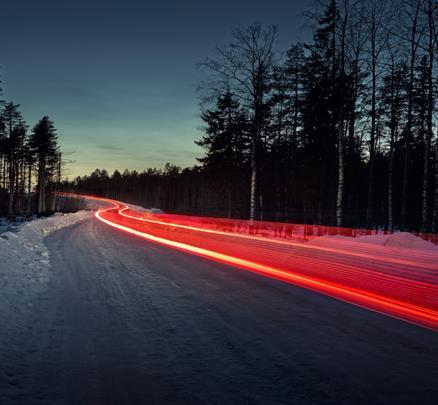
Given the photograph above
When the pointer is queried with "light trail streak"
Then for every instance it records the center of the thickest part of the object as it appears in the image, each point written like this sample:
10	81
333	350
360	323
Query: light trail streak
402	288
279	242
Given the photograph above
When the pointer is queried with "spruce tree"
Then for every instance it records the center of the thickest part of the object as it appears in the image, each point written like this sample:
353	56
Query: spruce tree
44	145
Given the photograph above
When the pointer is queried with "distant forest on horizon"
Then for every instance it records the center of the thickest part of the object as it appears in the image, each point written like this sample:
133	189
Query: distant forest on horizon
339	131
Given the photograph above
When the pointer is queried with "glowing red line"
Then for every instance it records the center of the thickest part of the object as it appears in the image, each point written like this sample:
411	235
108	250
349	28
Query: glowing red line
279	242
368	295
347	294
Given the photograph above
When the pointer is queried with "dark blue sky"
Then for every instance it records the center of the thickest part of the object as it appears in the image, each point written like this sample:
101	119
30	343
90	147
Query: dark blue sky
119	77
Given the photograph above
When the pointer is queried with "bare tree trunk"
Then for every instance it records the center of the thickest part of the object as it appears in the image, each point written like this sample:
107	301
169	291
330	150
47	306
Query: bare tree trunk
21	181
408	135
391	146
370	204
55	182
277	201
229	202
340	192
429	134
246	65
12	175
29	185
435	205
54	199
340	124
341	165
425	191
390	177
11	203
41	187
253	195
377	15
294	135
3	171
261	207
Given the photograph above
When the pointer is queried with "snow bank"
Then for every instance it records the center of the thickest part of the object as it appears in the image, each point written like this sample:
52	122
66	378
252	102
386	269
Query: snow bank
138	208
24	259
397	240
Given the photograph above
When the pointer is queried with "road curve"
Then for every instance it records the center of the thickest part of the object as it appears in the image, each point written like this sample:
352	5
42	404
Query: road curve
131	322
397	282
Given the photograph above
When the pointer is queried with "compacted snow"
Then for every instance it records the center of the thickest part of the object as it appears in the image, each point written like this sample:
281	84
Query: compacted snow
24	259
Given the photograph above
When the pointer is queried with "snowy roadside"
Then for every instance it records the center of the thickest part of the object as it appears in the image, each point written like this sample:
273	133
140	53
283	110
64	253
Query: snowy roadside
139	208
24	259
396	240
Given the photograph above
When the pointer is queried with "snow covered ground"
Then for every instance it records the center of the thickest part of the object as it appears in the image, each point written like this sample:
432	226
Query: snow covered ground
24	259
139	208
123	320
402	240
25	262
86	307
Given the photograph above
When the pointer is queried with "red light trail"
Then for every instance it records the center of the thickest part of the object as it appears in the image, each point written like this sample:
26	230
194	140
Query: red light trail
402	283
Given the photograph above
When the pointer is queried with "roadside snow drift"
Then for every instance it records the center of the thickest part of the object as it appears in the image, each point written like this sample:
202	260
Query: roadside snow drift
24	259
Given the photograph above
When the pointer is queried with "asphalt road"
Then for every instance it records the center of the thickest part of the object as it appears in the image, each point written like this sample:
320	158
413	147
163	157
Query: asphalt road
129	322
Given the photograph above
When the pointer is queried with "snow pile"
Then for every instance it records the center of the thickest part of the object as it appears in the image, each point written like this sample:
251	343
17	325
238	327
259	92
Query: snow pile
25	264
138	208
397	240
408	240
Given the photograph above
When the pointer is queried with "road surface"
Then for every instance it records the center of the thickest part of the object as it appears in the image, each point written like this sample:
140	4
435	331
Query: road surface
126	321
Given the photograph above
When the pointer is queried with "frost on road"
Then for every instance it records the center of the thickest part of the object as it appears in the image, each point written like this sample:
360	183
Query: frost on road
113	319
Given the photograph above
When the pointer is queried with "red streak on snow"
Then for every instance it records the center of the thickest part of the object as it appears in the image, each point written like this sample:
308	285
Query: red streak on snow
399	282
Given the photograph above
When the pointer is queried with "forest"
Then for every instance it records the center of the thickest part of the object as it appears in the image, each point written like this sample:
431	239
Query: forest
30	164
339	131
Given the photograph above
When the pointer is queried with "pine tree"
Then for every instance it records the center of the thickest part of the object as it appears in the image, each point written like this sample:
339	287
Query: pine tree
320	113
226	142
15	132
45	147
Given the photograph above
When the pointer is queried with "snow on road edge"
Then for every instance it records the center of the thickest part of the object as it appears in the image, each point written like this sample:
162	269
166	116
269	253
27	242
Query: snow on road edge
24	259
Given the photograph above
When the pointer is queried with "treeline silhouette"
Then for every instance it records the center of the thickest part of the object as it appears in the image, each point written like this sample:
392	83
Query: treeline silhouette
30	164
338	131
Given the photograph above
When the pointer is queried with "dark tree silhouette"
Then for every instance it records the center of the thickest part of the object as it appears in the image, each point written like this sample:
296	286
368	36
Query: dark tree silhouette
339	131
43	144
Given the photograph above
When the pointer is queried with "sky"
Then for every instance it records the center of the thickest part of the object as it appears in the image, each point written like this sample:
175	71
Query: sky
119	78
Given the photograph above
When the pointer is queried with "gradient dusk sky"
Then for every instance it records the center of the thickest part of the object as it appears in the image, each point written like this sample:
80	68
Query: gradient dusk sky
119	78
